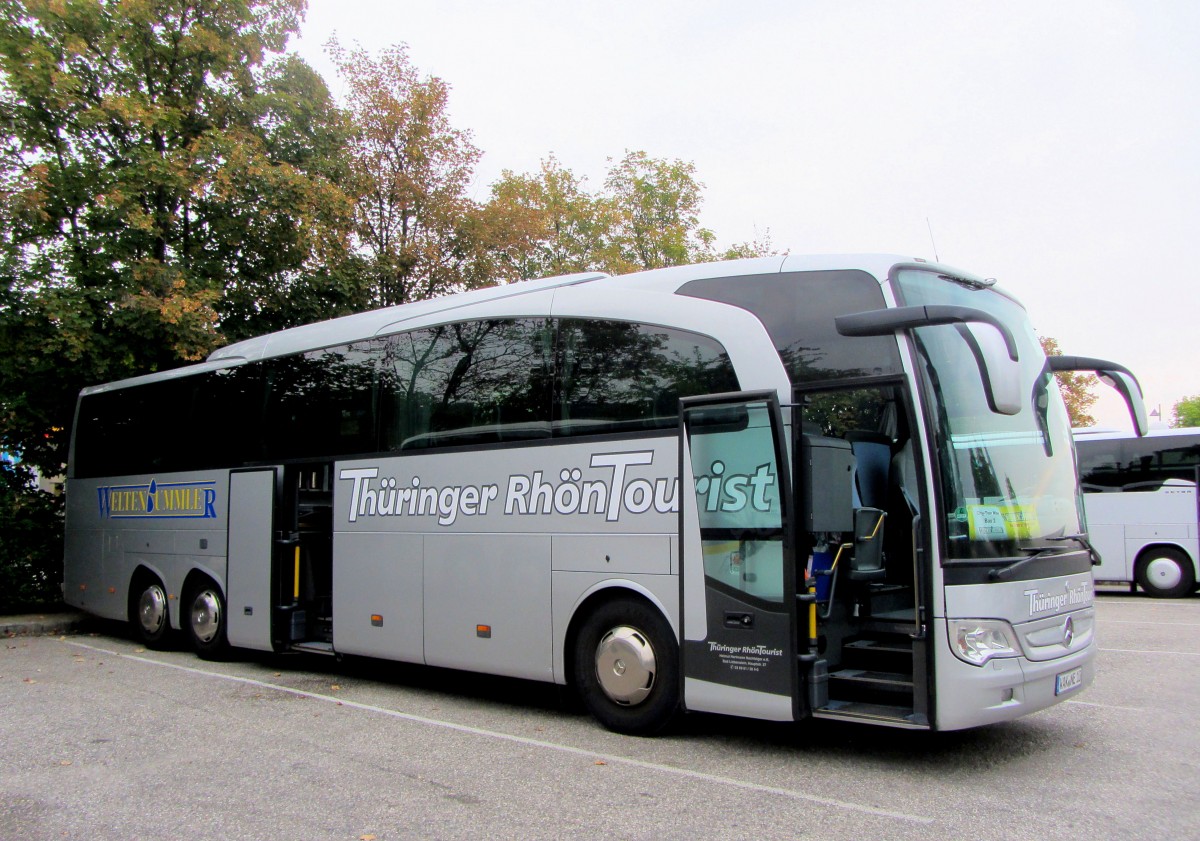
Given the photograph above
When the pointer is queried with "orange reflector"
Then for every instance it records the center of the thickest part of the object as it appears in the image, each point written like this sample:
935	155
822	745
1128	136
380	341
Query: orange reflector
82	586
377	620
484	631
112	589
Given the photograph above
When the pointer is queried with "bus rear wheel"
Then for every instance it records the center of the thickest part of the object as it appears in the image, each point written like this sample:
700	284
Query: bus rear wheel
1166	573
626	667
205	621
148	614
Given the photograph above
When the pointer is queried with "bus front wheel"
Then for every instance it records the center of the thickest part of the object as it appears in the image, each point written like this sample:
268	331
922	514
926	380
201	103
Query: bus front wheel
1166	573
205	621
626	667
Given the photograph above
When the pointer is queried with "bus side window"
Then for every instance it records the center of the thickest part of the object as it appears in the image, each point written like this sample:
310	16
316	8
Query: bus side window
473	382
616	376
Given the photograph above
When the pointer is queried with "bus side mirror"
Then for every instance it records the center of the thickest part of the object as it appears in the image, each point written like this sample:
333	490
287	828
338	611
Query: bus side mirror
1000	373
993	346
1113	375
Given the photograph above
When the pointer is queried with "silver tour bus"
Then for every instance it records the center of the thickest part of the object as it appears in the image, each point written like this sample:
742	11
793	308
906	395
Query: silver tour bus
783	488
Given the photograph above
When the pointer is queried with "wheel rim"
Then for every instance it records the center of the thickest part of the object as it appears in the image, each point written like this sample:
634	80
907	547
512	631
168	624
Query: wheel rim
625	665
206	615
1164	573
152	609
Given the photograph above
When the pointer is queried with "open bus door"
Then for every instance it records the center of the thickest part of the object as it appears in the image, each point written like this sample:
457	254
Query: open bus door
279	574
738	608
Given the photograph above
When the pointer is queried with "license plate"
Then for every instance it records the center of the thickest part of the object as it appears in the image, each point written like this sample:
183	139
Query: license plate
1068	681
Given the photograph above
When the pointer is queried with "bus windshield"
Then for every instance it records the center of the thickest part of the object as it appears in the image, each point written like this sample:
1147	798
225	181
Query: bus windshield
1008	482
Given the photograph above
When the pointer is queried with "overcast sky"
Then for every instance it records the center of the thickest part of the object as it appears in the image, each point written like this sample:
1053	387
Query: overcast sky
1054	146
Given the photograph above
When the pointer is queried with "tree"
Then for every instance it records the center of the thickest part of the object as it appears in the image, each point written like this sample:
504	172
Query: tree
409	169
757	247
1075	387
30	542
546	224
1186	412
160	190
657	213
152	200
646	217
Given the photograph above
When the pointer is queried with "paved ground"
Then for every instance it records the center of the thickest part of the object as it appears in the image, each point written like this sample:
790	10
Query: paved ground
101	739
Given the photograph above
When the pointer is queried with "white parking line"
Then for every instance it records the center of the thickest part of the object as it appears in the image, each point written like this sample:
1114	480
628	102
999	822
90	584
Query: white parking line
1126	602
1149	651
1106	706
522	740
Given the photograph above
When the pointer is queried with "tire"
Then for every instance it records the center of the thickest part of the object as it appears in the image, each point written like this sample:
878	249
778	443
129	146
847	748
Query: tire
1166	573
148	613
626	667
204	619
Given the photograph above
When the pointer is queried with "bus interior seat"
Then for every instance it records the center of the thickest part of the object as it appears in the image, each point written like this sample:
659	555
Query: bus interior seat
866	564
873	463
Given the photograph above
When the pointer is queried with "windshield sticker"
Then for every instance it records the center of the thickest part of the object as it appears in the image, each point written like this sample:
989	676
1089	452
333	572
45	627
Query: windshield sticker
1002	522
158	501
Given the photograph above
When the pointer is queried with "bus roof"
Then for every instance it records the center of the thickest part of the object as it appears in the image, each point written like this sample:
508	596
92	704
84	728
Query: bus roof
365	325
1095	434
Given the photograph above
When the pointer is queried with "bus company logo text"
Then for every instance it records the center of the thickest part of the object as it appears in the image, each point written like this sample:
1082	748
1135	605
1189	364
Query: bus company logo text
159	500
758	650
1077	596
614	492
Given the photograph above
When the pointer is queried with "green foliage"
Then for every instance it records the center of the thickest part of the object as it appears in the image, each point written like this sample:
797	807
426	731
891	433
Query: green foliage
166	184
1186	412
657	205
546	224
646	217
409	169
30	543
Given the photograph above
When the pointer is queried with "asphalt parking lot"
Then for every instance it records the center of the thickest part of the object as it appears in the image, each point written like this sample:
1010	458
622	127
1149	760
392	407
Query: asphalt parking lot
101	739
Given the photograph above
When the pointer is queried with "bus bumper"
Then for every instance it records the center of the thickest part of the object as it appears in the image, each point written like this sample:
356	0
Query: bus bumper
1003	688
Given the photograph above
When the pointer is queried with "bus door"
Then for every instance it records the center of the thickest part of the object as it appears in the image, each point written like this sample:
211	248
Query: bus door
248	590
737	573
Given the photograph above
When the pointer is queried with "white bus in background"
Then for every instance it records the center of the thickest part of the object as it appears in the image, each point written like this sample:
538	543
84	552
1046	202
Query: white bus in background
1139	495
790	487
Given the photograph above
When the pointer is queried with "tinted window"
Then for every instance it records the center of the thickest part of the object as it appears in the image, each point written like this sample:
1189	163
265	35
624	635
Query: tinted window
457	384
323	403
798	309
471	383
231	404
146	429
1136	464
617	376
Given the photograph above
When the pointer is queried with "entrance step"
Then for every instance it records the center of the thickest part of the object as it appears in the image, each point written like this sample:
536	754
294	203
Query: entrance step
313	647
871	687
886	714
879	653
890	681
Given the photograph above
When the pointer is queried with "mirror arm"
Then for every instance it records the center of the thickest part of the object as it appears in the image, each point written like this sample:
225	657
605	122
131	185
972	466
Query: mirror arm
1112	374
882	322
1087	363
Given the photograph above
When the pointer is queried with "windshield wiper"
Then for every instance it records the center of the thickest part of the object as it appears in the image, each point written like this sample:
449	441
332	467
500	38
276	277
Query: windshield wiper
998	574
1001	574
1082	540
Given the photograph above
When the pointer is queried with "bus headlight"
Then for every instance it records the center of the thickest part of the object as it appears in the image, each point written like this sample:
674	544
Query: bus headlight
976	641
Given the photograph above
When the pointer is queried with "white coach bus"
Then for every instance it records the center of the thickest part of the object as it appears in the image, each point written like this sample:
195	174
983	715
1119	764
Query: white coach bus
787	487
1139	497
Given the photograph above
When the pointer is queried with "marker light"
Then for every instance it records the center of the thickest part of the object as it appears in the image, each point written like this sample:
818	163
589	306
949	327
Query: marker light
976	641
